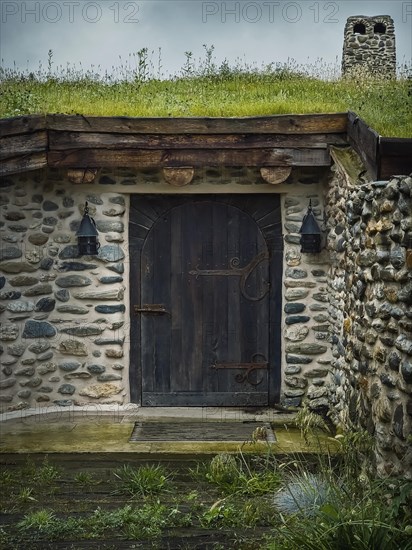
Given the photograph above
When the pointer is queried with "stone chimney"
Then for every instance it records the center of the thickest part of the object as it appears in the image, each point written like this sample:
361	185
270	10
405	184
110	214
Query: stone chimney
369	44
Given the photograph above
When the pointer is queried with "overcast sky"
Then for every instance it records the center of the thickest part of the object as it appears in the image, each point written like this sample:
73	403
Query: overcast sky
104	32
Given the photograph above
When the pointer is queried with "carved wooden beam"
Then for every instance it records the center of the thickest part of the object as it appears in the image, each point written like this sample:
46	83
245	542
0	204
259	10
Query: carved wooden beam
178	176
82	175
275	174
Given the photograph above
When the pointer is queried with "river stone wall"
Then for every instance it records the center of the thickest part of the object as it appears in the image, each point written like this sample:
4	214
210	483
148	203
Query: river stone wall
370	310
63	330
371	50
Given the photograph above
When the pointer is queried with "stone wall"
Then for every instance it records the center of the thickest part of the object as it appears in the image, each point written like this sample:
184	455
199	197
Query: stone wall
62	332
305	312
65	320
371	50
370	289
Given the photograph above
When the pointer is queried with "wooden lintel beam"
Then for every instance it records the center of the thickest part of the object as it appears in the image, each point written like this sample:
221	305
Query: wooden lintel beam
22	164
22	125
279	124
189	157
62	141
13	146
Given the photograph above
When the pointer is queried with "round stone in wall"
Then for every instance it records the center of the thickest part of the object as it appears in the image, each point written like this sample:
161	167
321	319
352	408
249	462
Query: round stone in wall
49	206
39	347
42	288
9	252
68	252
67	389
46	264
45	304
69	366
406	371
62	295
73	347
16	350
296	293
296	334
23	280
38	239
20	306
111	253
9	332
73	281
38	329
96	369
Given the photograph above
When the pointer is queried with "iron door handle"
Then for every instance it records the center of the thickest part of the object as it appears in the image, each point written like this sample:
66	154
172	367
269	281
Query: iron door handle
153	309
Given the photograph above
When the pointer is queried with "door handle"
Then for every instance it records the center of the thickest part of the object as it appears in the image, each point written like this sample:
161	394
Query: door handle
153	309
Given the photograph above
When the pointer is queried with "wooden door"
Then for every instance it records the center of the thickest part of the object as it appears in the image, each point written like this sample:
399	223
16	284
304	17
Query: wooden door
205	283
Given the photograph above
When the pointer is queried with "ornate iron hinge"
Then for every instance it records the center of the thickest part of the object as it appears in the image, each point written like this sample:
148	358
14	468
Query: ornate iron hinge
248	367
235	270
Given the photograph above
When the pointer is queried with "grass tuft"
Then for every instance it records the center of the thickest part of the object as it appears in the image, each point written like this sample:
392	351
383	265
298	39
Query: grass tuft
143	481
205	88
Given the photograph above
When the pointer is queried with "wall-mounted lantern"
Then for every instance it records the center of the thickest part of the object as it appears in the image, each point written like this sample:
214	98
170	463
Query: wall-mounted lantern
311	233
88	243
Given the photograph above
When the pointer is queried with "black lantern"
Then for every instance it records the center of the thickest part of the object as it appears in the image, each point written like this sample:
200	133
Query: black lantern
87	234
311	233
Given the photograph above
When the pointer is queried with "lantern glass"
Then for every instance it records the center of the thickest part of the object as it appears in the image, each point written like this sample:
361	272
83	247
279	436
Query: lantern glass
311	244
88	246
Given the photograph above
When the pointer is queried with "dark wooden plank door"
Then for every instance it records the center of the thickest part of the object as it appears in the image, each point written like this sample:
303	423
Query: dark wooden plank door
205	292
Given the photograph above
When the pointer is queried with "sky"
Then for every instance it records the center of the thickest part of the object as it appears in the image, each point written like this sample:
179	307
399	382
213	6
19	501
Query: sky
109	33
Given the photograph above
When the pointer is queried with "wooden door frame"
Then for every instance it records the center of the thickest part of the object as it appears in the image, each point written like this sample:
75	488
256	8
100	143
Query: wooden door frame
275	247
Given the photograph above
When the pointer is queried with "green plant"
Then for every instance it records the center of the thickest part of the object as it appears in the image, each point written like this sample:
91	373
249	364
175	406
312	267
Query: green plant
143	481
308	421
47	473
357	528
7	478
234	475
39	520
85	479
223	469
147	523
355	450
221	514
26	495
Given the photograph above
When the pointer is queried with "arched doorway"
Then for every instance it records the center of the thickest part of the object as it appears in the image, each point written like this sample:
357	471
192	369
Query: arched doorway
205	286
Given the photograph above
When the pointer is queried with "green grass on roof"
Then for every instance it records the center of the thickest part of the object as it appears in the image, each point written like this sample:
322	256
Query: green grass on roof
210	91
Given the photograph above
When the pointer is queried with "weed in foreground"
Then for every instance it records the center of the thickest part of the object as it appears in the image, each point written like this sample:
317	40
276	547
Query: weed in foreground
26	495
143	481
47	473
234	475
40	520
85	479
